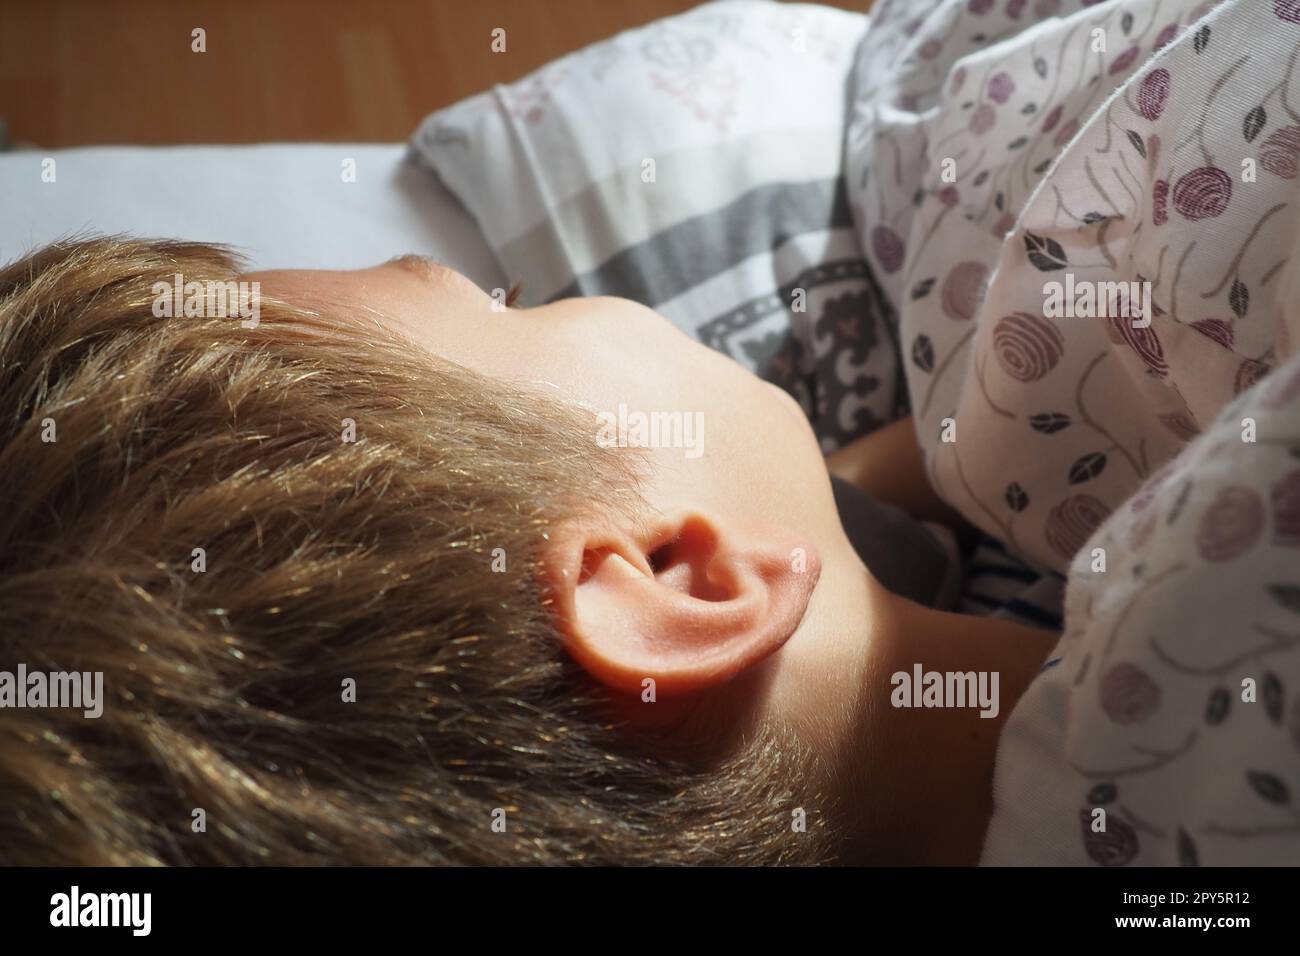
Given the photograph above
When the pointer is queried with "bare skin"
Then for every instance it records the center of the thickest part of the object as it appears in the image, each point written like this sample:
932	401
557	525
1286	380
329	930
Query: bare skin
739	593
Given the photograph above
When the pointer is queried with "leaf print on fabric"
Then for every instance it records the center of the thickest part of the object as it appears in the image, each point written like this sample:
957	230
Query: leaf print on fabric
1045	254
1103	793
1273	697
1087	468
923	353
1269	786
1016	497
1202	39
1027	346
1286	595
1049	422
1253	123
1135	138
1116	846
1239	298
1216	711
1184	494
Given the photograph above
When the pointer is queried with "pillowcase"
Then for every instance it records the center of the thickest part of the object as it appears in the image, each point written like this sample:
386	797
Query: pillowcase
693	165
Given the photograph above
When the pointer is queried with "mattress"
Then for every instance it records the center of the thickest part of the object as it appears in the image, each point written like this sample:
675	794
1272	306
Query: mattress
279	205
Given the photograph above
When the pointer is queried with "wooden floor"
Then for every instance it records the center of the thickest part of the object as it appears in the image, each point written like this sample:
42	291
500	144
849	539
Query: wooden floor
79	72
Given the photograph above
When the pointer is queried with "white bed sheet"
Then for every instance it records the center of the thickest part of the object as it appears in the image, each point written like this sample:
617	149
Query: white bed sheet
281	205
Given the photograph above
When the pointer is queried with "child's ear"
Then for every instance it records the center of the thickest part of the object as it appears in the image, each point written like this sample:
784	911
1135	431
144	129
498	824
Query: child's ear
687	601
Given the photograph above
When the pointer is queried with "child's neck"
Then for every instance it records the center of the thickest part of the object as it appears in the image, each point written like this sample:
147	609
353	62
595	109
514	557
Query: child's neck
919	779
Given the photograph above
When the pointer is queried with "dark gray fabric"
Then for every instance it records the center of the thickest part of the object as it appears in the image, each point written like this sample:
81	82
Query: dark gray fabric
904	555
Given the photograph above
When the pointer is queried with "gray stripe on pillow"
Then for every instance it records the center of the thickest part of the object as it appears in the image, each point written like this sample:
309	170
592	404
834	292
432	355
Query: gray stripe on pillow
682	256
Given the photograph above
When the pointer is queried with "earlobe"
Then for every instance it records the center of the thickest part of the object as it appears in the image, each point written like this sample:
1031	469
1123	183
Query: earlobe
688	602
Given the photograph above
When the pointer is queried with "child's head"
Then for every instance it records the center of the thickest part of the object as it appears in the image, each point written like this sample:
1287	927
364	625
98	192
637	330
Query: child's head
388	481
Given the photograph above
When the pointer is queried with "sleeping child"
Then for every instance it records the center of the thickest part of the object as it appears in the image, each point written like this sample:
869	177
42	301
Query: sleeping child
368	582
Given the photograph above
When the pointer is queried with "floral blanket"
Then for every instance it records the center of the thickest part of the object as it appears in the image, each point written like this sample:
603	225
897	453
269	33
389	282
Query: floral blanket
1084	214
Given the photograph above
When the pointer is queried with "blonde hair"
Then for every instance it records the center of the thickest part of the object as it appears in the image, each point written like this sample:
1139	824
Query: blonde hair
325	560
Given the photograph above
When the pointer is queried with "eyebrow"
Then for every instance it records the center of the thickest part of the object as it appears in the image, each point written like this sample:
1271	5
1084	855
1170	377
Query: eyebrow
422	266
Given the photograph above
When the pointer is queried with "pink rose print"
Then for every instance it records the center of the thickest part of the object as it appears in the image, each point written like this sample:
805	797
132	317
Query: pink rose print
1123	61
1128	695
1015	8
1288	10
958	79
1066	133
1141	532
1147	493
1286	510
1217	329
949	196
1047	8
1152	93
980	7
1248	373
1164	36
931	48
1142	341
1180	425
983	119
963	288
1231	525
1160	202
1027	346
1280	154
1052	118
888	248
1001	86
1071	523
1203	193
